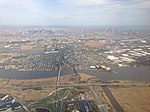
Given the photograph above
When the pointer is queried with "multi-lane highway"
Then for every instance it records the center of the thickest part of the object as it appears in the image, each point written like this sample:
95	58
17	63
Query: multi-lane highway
103	84
99	102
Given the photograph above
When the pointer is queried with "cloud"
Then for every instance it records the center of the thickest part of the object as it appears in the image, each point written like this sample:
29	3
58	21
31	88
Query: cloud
83	2
19	6
74	11
143	4
16	2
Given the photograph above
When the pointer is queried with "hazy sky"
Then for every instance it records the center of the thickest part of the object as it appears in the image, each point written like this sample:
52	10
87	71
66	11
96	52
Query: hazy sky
74	12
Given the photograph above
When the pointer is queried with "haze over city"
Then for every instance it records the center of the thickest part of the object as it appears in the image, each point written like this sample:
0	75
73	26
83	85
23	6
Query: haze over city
74	55
75	12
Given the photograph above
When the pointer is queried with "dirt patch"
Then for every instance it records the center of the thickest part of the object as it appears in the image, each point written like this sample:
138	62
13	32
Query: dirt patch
85	77
4	56
133	99
26	47
94	44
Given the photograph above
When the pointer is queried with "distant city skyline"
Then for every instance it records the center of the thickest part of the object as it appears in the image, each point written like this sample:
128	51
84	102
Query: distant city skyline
75	12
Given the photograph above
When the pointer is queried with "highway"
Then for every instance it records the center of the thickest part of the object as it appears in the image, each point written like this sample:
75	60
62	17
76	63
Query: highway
23	106
102	84
113	100
98	100
57	82
58	76
36	101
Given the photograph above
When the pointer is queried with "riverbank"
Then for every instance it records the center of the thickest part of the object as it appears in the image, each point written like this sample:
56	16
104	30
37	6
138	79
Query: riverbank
33	89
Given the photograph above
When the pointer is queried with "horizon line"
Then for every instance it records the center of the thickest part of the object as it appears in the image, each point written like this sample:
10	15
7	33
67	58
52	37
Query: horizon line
75	25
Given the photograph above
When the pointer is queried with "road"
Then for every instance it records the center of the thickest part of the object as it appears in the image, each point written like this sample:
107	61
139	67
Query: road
23	106
103	84
99	102
36	101
58	81
58	76
113	100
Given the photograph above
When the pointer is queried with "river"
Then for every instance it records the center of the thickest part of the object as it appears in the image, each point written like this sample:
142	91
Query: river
128	73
